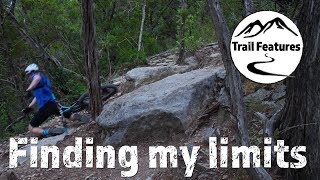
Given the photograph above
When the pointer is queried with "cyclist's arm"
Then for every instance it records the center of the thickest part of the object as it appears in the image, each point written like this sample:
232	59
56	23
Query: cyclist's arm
33	102
34	82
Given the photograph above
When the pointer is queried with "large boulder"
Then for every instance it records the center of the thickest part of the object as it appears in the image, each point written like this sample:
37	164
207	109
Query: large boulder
146	75
157	109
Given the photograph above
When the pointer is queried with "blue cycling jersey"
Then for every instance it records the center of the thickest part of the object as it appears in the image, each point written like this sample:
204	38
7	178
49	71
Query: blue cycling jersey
42	91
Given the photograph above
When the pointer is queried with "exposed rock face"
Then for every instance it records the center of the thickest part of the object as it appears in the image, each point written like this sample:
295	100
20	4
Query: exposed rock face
279	93
161	107
145	75
259	95
209	55
166	58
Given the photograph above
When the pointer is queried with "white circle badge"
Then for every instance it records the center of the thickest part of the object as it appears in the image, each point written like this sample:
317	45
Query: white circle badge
266	47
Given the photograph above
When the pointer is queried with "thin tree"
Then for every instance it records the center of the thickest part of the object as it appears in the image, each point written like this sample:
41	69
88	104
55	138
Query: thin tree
301	116
90	56
142	24
182	50
233	83
248	6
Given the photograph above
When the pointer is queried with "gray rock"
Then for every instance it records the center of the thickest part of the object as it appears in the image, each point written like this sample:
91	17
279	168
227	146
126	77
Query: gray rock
9	175
215	55
259	95
204	176
191	61
279	93
281	102
260	116
145	75
202	166
210	132
91	177
270	104
119	80
209	55
271	107
166	58
161	107
116	137
44	142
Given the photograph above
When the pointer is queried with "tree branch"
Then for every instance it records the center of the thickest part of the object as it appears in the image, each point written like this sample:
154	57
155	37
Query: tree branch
31	41
12	6
8	82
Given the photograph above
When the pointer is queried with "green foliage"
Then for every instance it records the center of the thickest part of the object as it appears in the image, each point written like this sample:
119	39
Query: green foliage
56	25
233	12
255	106
198	27
67	86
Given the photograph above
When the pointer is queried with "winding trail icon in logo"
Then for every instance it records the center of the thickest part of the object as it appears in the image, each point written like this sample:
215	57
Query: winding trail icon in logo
251	67
266	47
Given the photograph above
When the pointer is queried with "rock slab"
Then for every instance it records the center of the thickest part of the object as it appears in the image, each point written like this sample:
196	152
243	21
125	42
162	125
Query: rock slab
146	75
155	109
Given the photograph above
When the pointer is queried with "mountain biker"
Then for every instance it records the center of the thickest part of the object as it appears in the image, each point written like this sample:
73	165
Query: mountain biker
47	106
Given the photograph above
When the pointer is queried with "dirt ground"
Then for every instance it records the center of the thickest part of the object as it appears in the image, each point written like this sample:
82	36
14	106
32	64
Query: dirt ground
194	136
215	117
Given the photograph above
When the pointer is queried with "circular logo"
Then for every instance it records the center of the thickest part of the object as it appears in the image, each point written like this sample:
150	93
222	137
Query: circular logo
266	47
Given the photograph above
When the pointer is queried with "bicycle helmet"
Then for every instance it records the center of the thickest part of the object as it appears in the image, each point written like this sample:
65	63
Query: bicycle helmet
31	67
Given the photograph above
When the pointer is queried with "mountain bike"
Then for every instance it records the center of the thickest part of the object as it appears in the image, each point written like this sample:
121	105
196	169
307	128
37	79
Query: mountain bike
82	103
107	91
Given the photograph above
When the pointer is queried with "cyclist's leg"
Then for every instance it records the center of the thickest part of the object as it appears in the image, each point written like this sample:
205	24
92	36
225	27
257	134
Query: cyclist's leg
43	114
36	121
36	130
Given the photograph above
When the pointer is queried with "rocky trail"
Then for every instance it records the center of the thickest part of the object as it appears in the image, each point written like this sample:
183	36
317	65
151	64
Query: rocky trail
160	105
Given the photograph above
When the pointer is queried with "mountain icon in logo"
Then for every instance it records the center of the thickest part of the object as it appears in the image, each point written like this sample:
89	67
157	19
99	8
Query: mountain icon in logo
279	23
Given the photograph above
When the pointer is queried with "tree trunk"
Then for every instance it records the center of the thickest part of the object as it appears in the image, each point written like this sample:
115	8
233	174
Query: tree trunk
91	63
113	10
142	24
301	118
234	84
248	7
2	14
182	29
